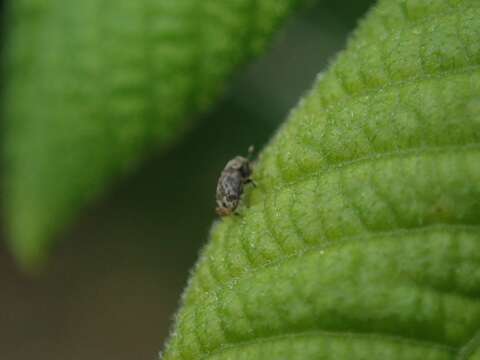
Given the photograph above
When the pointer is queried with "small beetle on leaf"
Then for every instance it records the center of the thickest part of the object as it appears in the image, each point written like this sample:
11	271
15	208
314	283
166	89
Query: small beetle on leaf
233	178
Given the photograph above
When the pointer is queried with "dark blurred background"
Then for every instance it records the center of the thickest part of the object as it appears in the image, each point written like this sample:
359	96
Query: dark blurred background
114	281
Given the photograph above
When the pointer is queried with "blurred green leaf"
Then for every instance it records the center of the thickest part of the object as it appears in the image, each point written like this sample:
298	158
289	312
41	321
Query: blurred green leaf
361	239
94	84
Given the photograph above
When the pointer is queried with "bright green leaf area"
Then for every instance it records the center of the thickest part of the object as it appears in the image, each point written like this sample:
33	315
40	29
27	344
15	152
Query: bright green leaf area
361	239
92	85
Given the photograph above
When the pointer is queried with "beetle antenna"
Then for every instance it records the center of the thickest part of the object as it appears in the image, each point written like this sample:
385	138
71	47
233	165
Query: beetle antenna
251	150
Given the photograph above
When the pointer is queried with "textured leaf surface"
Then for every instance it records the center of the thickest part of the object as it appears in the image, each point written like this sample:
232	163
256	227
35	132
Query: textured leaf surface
361	240
92	84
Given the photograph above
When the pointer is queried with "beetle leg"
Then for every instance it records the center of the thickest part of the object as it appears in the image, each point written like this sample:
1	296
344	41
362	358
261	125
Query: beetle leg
250	181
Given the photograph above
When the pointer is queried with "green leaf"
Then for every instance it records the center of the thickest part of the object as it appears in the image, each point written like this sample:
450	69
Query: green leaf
93	85
361	239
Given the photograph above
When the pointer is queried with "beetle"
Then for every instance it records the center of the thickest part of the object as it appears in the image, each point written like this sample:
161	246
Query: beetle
236	174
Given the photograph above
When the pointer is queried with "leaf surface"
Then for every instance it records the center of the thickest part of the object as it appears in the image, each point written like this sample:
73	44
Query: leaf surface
361	239
93	85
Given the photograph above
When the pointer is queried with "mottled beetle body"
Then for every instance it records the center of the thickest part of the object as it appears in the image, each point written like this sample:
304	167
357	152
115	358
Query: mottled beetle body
230	184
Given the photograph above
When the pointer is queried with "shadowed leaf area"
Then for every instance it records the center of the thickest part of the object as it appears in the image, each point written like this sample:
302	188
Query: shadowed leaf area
93	85
361	239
